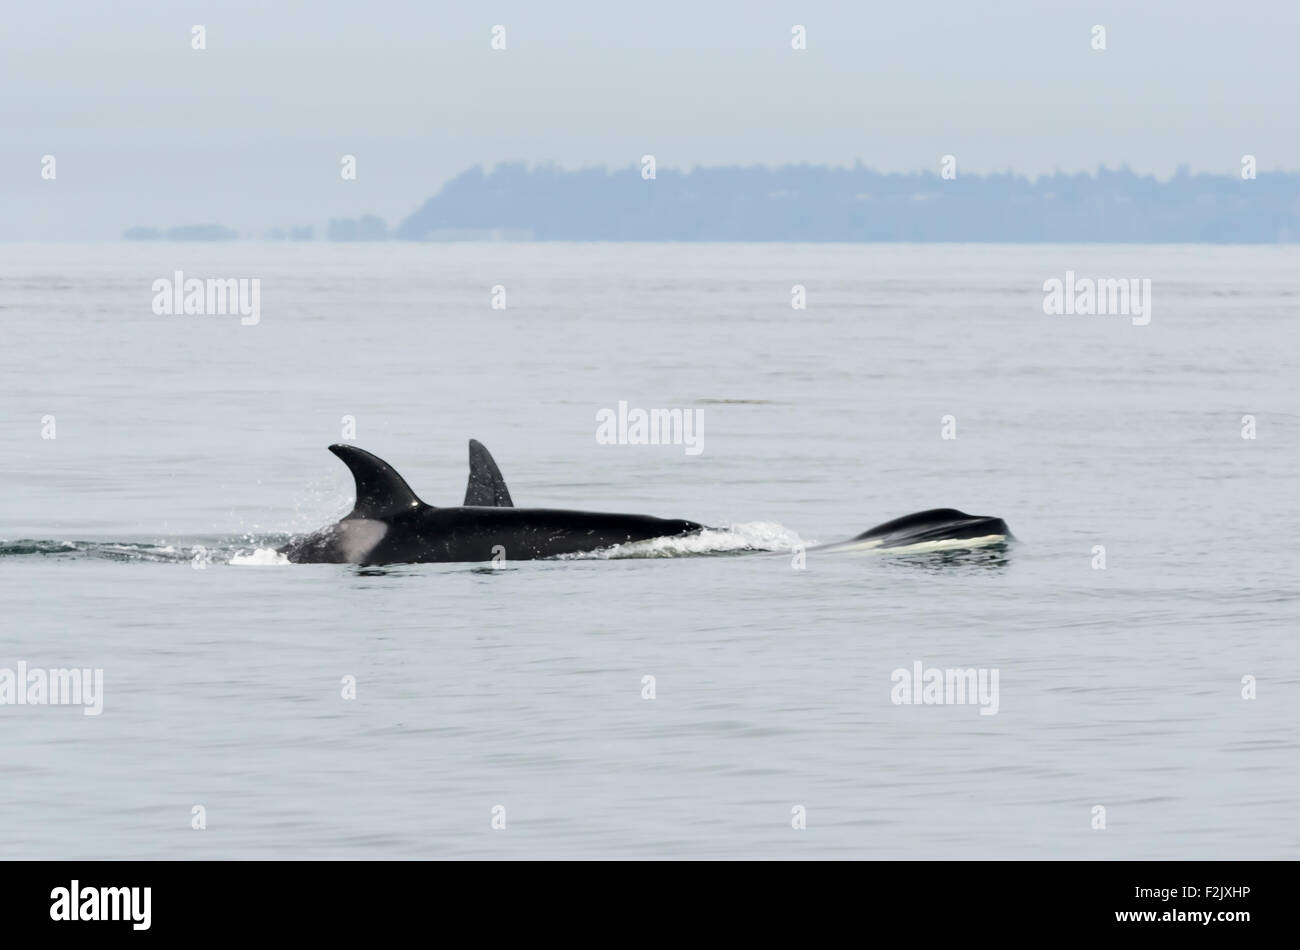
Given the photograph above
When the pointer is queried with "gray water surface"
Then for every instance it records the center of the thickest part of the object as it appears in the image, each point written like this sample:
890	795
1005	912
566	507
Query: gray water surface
522	687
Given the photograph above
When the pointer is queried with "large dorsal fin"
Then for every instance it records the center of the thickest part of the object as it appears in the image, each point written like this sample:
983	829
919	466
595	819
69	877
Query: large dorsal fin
486	488
381	492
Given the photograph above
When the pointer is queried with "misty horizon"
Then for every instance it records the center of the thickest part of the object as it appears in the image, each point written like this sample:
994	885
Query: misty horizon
248	131
807	202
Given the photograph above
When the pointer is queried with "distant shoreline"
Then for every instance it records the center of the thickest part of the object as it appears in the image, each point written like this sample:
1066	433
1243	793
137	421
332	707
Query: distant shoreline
822	204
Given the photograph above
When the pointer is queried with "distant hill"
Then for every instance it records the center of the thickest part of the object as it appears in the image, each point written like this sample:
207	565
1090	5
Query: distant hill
820	203
366	228
189	232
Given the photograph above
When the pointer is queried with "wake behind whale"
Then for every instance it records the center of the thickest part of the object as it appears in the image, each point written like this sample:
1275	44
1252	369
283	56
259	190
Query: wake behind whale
390	524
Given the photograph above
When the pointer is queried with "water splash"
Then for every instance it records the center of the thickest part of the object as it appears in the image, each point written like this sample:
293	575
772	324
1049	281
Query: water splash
755	537
747	538
199	551
259	557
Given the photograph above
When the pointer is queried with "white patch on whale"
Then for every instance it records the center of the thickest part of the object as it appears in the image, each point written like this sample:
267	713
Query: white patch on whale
877	546
357	537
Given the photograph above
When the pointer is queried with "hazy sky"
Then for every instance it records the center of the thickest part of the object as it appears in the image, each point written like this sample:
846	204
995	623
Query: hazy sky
250	131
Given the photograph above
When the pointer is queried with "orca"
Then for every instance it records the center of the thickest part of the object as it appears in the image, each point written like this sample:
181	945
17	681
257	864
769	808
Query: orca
389	524
938	529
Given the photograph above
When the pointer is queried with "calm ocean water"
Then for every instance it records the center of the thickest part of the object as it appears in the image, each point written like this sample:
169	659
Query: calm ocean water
523	687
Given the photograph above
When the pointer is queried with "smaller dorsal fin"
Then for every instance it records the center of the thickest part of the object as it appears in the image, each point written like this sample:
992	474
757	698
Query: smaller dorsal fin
381	492
486	488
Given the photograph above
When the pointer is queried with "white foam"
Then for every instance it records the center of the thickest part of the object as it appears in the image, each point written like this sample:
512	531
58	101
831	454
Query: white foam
752	536
261	557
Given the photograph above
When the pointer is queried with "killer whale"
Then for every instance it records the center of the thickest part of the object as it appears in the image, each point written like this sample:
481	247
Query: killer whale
934	530
390	524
